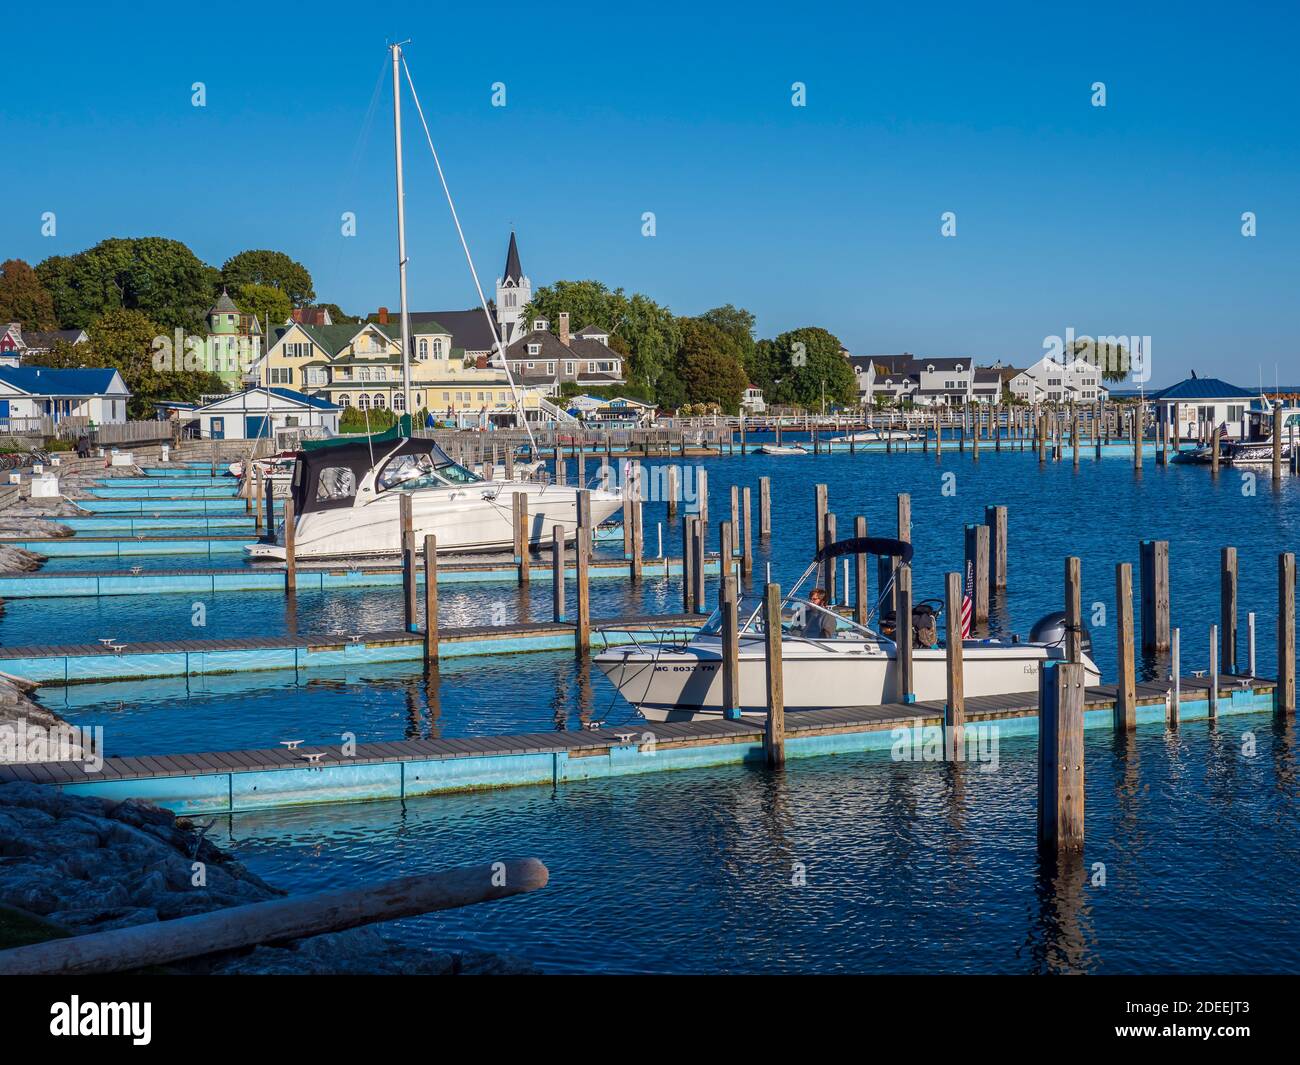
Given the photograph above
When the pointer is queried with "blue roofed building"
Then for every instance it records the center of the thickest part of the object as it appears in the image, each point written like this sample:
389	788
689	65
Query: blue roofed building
33	398
1202	400
262	412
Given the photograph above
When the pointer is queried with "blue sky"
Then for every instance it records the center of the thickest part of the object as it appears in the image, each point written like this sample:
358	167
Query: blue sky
1120	220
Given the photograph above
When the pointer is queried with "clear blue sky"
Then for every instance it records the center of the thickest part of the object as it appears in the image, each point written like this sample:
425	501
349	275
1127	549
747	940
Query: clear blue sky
1121	220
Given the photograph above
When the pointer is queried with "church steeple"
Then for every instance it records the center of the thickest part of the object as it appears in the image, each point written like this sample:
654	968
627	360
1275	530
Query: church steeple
514	290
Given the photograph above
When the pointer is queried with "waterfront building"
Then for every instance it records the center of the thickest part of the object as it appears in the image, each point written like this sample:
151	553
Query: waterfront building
233	345
17	343
1050	381
259	412
1197	400
32	395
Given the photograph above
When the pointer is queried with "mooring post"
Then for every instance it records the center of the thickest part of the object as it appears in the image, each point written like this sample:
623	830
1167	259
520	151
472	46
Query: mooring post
1060	756
688	563
510	462
1250	642
996	519
730	650
977	557
954	719
904	534
747	541
1137	438
819	514
725	558
270	506
903	631
1175	676
1285	698
1214	451
702	499
290	548
1154	555
431	597
638	530
774	732
582	626
1277	440
557	573
406	537
765	508
1228	609
1073	610
671	488
1214	671
257	498
860	605
735	514
828	567
1074	435
521	535
1126	680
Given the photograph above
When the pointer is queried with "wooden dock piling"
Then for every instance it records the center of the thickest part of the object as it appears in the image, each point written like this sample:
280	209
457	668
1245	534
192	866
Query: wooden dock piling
1228	609
1286	633
290	547
1277	440
996	519
765	508
1073	610
557	572
819	514
688	563
774	730
582	625
860	592
407	540
1214	672
903	632
955	708
977	559
697	567
431	597
1155	594
747	541
829	581
1060	757
672	489
1126	680
520	512
730	649
726	553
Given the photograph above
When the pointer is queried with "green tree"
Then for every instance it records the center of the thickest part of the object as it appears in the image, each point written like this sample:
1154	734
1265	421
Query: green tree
804	362
271	268
124	340
268	305
337	316
23	298
709	365
1106	353
738	323
161	278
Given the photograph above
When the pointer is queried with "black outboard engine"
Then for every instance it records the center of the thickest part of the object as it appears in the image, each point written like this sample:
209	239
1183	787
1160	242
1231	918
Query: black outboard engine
1050	629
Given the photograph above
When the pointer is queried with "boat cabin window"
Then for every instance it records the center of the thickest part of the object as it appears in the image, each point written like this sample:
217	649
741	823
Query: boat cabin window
336	482
409	472
798	619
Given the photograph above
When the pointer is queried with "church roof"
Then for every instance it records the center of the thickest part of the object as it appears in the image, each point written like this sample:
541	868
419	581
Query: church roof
514	272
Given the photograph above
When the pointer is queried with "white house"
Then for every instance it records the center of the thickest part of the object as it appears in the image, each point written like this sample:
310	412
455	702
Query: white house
1202	399
752	402
1050	381
259	412
41	392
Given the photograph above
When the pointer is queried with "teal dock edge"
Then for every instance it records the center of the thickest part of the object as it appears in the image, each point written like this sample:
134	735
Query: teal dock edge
241	781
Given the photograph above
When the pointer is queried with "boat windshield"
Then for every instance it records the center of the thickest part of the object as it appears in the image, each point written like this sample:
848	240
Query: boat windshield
799	618
406	473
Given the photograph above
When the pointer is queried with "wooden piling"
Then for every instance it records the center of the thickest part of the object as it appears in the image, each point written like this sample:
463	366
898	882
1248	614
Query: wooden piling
1214	672
269	487
774	732
1285	699
407	540
726	559
977	558
1126	679
819	514
702	498
861	607
557	573
688	563
638	531
672	489
699	546
903	632
996	519
955	708
747	541
431	597
290	548
1228	609
582	625
1277	440
1060	757
1155	595
730	649
520	513
765	508
829	580
1073	610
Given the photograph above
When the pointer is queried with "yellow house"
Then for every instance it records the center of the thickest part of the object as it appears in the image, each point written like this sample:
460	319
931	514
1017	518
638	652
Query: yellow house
361	366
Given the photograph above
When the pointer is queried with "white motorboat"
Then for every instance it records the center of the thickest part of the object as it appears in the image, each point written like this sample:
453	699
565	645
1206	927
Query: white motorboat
347	500
827	660
1256	443
522	471
780	449
877	436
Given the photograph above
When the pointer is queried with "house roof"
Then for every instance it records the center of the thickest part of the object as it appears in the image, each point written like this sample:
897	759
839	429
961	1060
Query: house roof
224	305
1202	388
591	331
47	338
299	398
468	329
44	381
514	272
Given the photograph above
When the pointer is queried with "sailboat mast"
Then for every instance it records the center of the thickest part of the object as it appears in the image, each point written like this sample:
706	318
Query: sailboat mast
396	49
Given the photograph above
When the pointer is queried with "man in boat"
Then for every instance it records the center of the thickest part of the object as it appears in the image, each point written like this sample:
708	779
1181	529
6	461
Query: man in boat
820	625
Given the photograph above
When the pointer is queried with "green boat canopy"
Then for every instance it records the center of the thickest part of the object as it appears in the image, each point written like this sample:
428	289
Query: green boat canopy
400	431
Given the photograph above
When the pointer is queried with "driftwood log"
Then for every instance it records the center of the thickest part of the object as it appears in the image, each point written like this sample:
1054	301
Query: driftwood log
269	922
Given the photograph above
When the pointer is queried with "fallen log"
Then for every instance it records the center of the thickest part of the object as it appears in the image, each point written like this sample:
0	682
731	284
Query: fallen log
296	917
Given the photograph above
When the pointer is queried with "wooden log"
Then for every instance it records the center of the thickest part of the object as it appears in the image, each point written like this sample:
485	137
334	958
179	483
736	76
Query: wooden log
1285	698
1155	595
730	649
861	607
765	508
977	557
557	573
1073	610
431	597
1126	679
903	633
996	519
290	547
1228	609
297	917
955	707
774	728
582	625
407	541
1060	757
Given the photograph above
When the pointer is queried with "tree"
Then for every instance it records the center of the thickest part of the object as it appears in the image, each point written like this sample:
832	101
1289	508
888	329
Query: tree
271	268
738	323
806	361
1106	353
161	278
23	298
268	305
337	316
709	366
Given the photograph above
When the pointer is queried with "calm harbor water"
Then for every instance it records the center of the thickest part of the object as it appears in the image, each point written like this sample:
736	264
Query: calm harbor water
909	866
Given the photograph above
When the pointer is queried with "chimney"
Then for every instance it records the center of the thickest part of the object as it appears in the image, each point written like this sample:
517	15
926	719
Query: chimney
564	328
481	362
383	315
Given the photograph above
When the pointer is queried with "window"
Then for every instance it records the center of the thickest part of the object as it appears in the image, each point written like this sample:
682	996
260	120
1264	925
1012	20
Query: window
381	374
363	374
550	369
291	421
363	402
424	349
345	400
570	368
437	348
399	401
335	482
300	350
1205	412
1236	411
281	375
379	401
534	349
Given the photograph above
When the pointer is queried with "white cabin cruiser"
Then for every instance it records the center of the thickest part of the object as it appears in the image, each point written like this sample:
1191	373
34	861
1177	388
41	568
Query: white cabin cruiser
877	436
827	660
347	499
1256	443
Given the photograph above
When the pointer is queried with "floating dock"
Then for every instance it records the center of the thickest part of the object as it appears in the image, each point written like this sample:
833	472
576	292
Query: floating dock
236	781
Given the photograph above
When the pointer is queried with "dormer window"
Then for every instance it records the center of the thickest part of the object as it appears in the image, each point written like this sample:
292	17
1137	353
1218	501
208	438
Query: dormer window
540	325
534	349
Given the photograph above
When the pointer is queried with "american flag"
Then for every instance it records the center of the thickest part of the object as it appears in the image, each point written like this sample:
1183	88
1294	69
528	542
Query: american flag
968	599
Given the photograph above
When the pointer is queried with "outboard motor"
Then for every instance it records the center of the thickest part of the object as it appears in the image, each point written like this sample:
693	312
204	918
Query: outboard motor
1050	629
